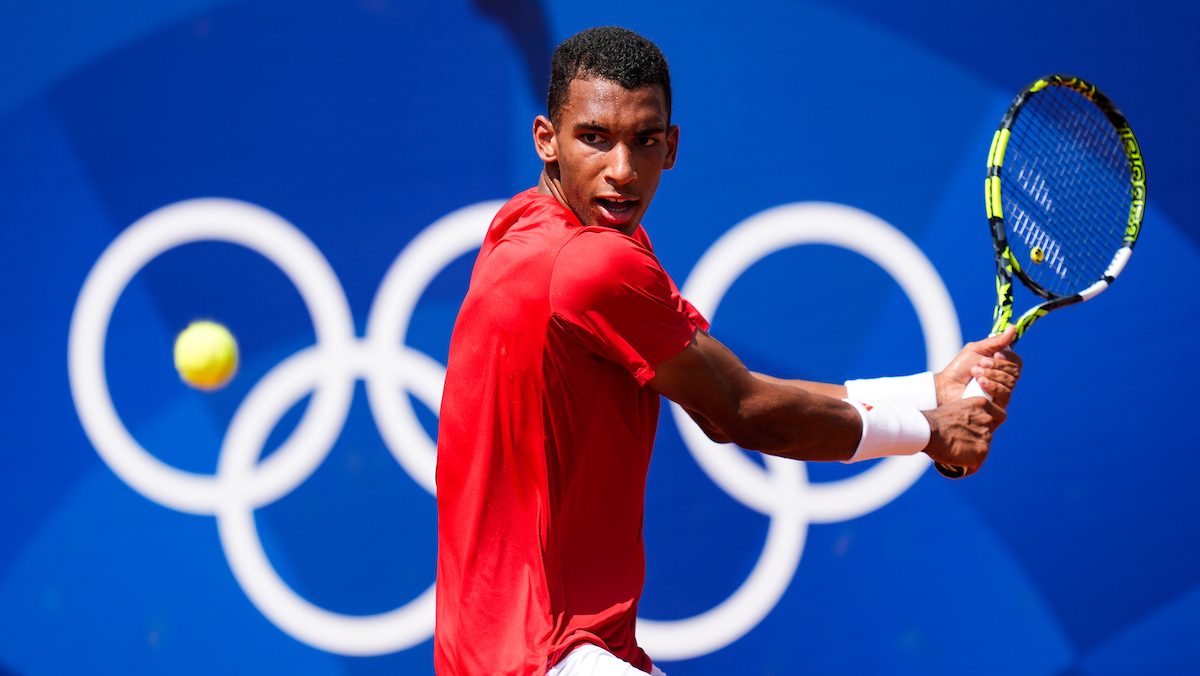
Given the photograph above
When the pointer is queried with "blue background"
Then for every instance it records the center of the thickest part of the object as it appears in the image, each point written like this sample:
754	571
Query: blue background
1075	551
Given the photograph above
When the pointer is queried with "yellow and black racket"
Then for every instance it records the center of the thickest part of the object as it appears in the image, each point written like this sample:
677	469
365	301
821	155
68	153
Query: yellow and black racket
1065	193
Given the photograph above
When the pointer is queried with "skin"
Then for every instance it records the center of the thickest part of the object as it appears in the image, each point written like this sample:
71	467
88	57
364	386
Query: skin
603	157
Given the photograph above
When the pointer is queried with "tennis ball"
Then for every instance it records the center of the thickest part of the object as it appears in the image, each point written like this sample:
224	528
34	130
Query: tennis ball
1037	255
206	355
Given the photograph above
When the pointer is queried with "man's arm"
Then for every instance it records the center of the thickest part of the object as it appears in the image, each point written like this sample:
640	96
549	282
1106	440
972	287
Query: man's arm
796	419
825	389
771	416
989	360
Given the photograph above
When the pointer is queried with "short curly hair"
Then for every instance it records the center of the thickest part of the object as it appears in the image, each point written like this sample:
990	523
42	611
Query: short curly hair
607	52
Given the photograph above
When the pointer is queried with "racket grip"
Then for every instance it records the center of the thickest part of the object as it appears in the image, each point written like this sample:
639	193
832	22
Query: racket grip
974	390
954	471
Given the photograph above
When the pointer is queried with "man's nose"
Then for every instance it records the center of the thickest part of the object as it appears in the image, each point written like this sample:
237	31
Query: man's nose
620	165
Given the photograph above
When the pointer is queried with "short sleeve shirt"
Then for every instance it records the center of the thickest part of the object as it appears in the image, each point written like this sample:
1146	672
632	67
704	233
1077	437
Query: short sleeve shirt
544	441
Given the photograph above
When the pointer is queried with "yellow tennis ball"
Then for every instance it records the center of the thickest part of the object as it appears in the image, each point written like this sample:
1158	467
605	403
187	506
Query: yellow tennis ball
1037	255
206	355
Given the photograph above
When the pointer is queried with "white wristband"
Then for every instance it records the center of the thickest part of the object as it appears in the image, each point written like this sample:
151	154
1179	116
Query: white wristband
916	390
889	429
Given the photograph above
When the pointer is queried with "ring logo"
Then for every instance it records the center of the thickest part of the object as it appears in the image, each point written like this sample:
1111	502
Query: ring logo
328	370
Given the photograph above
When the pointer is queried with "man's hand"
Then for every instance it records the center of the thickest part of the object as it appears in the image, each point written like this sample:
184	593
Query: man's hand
990	361
961	432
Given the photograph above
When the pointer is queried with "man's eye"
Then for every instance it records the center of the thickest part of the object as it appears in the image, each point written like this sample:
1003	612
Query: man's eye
590	138
648	141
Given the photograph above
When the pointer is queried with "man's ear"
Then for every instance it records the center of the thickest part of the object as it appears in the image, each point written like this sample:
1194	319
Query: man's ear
672	146
545	140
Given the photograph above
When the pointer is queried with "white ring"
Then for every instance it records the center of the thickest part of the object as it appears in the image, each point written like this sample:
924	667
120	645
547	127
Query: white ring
271	397
182	223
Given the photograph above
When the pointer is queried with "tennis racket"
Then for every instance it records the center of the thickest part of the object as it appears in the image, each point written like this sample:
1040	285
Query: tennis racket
1065	193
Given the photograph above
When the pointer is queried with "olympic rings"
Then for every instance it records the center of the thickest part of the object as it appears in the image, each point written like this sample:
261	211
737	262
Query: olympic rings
244	482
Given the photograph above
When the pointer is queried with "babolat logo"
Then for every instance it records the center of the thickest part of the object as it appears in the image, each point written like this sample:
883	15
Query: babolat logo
1137	179
1085	88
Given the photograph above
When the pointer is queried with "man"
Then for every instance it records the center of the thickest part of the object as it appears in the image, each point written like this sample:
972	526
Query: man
568	335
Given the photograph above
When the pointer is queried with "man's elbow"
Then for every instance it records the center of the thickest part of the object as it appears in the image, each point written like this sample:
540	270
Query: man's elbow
710	430
755	429
717	435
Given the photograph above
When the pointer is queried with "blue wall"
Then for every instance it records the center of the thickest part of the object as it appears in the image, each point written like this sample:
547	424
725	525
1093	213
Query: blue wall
363	124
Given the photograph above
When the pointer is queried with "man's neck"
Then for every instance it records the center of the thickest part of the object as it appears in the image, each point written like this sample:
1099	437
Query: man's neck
549	185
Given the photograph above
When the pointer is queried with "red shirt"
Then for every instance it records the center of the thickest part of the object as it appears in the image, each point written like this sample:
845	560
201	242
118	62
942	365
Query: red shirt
544	441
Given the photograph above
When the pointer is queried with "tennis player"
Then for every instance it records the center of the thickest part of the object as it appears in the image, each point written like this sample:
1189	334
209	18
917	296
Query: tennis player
568	335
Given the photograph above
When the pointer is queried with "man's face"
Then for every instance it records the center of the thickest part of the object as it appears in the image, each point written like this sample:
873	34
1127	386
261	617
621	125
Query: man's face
610	145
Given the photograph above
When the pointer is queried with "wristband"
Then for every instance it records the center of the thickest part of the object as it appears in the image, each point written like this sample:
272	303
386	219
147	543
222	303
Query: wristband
916	390
889	429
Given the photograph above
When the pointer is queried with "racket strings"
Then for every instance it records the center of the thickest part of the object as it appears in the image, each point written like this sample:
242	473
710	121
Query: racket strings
1065	188
1080	133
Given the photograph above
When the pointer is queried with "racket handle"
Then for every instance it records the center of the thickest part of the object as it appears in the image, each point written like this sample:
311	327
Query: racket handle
974	390
954	471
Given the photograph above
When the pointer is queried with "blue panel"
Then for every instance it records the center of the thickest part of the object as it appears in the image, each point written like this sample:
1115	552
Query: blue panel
361	124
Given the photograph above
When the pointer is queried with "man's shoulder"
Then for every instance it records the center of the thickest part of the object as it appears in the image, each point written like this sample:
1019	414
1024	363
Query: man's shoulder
603	252
599	265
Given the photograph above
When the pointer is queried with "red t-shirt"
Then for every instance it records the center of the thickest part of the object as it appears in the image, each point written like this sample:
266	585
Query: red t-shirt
544	441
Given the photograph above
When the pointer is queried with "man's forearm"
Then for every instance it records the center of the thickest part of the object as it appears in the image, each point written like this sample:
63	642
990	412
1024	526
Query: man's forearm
824	389
789	420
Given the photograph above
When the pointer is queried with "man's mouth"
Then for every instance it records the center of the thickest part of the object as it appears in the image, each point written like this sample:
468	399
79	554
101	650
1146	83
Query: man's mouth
617	210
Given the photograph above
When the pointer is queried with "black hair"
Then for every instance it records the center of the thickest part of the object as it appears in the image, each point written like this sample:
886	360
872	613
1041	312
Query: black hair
610	53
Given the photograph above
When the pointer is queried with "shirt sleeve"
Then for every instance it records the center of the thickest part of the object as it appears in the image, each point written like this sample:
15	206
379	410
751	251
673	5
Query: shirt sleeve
610	293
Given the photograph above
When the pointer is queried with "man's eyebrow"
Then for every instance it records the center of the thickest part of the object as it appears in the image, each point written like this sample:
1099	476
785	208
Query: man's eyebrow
592	126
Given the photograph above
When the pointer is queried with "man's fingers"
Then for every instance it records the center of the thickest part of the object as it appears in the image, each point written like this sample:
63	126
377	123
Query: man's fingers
1009	361
996	343
1008	368
997	414
1001	394
1009	355
998	377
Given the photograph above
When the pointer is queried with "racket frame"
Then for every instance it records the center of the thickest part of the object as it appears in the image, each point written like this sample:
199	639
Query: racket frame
1007	265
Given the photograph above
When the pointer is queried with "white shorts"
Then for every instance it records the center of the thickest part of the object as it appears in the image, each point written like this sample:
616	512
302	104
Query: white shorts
592	660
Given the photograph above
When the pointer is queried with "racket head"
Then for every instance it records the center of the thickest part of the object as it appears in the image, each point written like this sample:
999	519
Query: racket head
1065	195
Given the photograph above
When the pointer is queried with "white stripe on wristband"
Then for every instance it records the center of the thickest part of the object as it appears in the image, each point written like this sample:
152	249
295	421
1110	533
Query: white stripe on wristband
889	429
916	390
